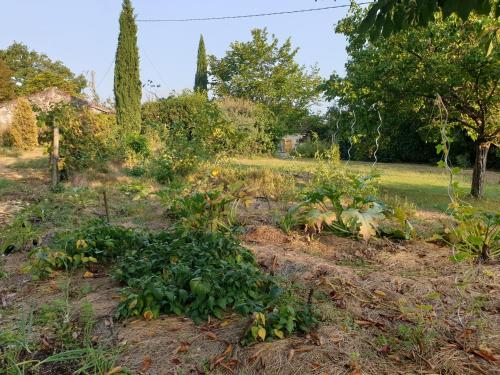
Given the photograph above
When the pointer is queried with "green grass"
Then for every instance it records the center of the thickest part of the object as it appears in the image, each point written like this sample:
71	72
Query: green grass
423	185
36	163
4	185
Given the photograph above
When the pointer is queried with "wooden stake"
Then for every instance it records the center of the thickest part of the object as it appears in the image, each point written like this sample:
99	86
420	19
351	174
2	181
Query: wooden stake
55	157
106	205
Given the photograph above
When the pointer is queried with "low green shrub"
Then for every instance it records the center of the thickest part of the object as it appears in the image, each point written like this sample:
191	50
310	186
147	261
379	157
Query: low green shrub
212	210
475	234
182	271
88	140
135	171
193	273
95	242
309	149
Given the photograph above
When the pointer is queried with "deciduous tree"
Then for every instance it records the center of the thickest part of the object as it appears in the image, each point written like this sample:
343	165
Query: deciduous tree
34	72
6	83
265	71
408	69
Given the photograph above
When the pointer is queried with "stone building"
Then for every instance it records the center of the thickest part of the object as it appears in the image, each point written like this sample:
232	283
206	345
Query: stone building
44	100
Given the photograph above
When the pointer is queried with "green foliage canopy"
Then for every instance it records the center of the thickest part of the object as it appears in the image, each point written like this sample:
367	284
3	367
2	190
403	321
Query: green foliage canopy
34	72
265	72
386	17
405	72
6	84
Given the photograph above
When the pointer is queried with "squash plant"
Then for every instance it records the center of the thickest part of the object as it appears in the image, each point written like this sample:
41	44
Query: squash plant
345	205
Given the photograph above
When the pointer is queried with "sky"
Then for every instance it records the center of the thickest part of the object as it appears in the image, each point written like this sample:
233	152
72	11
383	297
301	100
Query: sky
83	34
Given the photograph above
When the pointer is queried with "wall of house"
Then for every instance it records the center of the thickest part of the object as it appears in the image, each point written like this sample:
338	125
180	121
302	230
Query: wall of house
44	100
6	116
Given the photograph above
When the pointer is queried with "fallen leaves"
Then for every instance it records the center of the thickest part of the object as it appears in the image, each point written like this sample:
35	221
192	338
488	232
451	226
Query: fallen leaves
211	336
219	360
114	370
379	293
88	275
146	363
182	348
485	353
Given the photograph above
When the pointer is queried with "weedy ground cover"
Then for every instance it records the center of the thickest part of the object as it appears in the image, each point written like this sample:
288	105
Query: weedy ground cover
181	248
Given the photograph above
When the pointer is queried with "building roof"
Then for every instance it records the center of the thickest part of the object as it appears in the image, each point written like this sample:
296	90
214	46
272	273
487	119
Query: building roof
53	95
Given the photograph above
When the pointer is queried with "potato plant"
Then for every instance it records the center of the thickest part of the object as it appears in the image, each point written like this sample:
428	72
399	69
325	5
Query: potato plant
181	271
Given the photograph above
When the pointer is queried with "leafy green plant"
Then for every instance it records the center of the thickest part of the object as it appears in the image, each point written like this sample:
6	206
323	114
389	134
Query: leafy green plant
344	205
288	315
193	273
24	231
476	234
135	191
211	210
186	271
398	224
95	242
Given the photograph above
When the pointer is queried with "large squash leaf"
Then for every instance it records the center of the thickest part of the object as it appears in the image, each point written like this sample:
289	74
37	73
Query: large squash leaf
365	221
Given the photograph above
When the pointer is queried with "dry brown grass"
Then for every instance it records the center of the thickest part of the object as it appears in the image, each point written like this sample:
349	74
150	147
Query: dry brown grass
385	308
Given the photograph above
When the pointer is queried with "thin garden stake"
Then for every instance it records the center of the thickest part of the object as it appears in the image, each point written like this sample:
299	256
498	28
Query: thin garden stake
105	196
55	156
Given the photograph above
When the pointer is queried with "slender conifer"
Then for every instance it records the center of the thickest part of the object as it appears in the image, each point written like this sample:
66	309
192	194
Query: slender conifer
127	85
201	78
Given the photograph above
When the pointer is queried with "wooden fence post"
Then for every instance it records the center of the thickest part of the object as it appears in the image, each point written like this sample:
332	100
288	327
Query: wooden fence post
106	205
55	156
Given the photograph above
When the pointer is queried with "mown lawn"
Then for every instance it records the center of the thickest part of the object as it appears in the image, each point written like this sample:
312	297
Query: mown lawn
423	185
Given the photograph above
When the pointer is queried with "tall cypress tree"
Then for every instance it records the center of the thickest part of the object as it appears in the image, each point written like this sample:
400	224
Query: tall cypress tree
127	84
201	78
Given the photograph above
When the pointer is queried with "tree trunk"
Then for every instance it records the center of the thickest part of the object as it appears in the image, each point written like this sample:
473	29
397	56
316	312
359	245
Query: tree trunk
479	172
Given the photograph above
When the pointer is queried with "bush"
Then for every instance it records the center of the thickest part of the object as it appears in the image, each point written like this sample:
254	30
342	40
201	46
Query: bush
192	129
24	129
253	124
88	139
319	150
309	149
475	235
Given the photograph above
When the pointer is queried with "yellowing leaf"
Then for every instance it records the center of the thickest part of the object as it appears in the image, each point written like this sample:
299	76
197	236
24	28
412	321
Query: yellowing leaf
261	318
262	333
88	275
278	333
379	293
81	244
366	220
148	315
489	273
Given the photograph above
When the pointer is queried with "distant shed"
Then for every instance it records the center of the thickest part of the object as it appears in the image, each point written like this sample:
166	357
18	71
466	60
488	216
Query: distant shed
289	142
